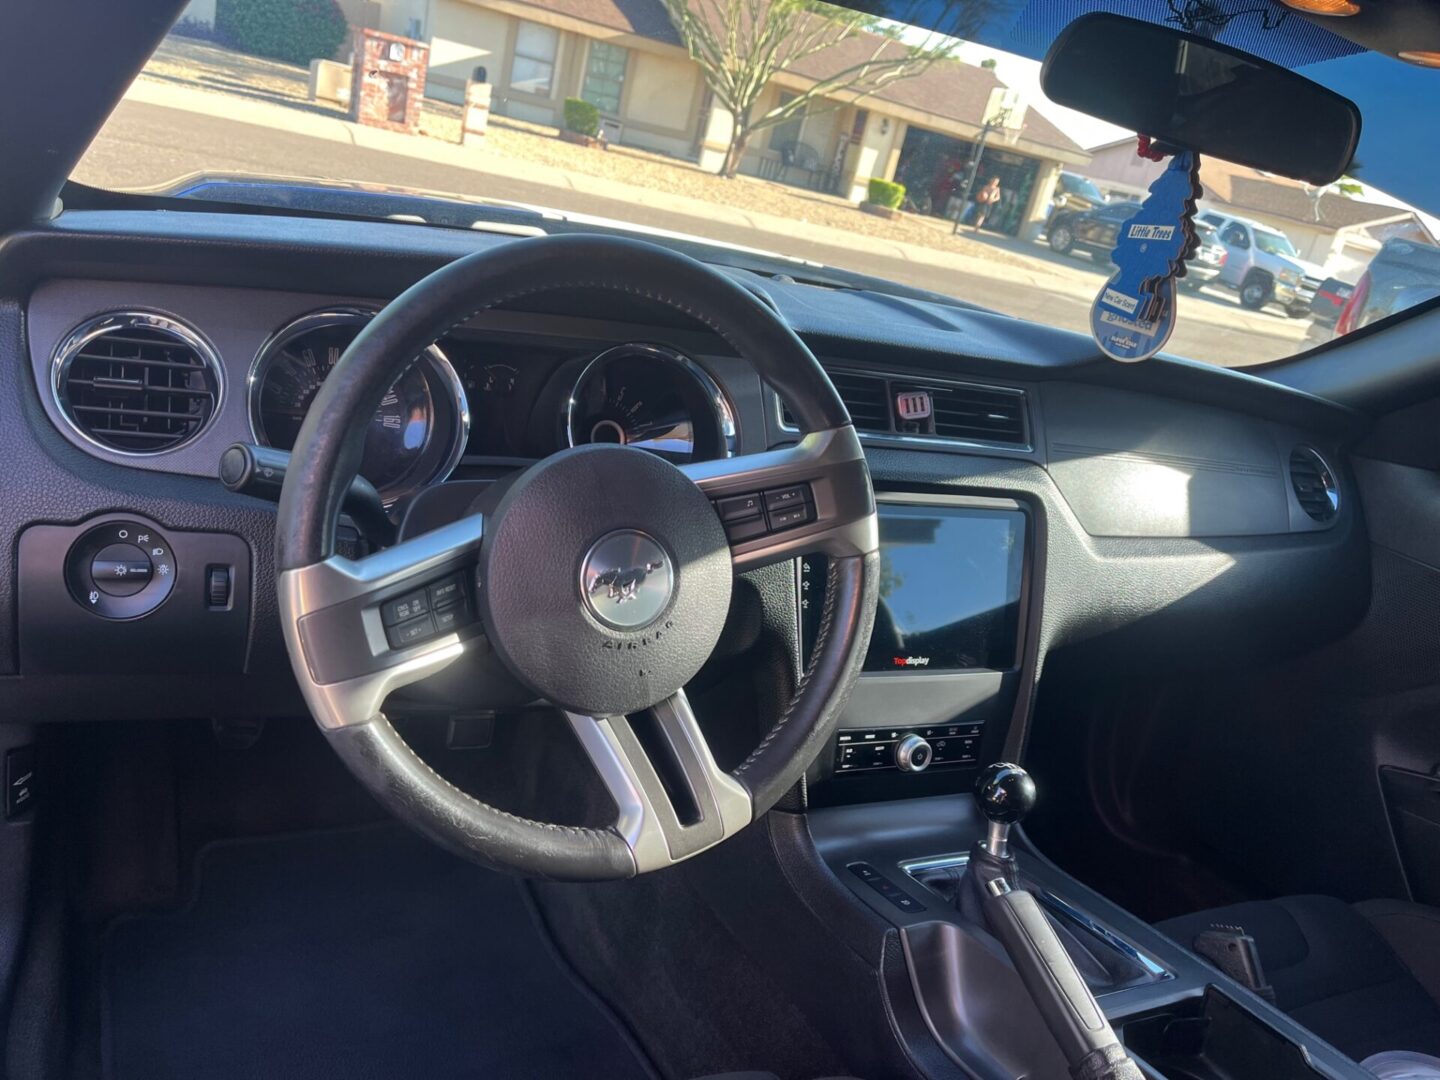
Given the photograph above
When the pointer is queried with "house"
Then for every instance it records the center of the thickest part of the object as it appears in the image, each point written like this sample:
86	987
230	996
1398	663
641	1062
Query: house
1334	231
626	57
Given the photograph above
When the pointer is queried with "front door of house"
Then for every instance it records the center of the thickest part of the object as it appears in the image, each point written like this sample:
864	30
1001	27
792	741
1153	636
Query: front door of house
605	77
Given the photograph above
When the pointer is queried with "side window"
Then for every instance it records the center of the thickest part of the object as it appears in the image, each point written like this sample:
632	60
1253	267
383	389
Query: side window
1213	219
533	71
1236	236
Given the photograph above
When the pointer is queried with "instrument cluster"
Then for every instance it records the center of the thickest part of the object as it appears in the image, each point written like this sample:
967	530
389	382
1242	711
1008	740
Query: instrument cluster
490	401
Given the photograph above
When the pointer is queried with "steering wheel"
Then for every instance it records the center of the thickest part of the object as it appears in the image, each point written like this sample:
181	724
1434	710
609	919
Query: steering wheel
600	581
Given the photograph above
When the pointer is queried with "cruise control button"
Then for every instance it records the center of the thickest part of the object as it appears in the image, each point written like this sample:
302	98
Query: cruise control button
783	498
411	633
409	606
741	506
785	519
451	618
446	592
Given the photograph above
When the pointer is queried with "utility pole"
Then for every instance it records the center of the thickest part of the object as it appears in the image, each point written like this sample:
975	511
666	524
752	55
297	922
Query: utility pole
999	119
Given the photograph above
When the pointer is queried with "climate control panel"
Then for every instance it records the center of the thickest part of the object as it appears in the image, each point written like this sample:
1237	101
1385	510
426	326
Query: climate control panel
911	750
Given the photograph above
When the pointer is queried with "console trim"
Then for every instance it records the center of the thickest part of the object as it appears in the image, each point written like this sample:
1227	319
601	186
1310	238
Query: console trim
1059	906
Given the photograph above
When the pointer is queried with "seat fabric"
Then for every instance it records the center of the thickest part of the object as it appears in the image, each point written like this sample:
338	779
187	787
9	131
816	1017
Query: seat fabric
1365	978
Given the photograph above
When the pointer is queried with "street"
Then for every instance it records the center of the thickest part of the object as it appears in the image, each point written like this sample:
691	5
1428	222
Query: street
144	145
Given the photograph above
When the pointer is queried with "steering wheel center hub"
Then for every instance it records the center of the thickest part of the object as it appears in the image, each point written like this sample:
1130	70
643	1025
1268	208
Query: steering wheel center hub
604	579
627	579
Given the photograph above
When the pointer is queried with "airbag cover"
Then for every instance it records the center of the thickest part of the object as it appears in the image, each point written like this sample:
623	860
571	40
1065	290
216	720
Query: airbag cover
604	579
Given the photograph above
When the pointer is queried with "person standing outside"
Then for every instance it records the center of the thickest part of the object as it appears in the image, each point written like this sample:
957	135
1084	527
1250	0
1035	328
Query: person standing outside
985	200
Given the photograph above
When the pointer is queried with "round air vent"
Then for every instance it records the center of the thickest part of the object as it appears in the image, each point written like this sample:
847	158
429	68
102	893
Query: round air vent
1314	484
136	383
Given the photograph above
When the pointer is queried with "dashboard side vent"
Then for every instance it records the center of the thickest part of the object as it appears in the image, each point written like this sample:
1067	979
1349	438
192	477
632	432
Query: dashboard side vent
1314	484
136	383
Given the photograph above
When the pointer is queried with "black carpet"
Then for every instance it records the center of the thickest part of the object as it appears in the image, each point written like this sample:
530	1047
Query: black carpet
357	954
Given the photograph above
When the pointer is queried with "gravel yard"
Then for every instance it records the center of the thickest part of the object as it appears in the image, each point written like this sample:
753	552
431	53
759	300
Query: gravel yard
198	64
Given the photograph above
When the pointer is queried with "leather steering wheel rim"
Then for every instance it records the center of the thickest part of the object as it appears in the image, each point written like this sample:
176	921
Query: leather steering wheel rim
329	603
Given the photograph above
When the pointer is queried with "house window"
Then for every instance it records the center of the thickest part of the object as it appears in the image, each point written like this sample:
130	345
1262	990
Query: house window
535	50
604	76
787	133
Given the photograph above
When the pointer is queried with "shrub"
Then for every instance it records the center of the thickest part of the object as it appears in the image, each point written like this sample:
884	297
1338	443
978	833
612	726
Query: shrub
581	117
198	31
295	31
886	193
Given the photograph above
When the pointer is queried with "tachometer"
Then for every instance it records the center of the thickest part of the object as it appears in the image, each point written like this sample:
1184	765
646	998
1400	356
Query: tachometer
653	398
416	435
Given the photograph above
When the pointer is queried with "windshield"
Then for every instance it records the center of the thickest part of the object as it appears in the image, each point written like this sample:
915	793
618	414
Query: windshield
862	145
1273	243
1078	185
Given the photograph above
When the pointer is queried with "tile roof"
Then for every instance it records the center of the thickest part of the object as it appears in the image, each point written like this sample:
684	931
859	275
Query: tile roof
1249	189
645	18
949	90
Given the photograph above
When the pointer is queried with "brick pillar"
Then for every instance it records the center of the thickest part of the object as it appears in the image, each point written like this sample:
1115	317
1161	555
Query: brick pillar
387	81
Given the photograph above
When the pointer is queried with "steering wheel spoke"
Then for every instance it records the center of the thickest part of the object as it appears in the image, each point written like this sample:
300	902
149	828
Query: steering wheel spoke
813	496
673	800
367	627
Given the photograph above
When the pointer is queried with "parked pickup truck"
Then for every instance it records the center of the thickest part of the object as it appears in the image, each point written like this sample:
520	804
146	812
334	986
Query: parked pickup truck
1262	265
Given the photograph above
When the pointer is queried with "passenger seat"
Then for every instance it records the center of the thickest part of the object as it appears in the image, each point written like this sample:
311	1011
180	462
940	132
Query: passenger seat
1364	977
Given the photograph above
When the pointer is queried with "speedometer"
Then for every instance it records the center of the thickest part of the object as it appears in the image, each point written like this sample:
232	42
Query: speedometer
418	431
652	398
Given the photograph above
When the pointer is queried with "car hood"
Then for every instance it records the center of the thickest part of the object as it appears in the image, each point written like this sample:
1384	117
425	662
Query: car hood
333	198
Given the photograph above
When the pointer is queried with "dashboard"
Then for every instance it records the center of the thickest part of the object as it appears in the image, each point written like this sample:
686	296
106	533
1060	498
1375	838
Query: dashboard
472	395
1033	499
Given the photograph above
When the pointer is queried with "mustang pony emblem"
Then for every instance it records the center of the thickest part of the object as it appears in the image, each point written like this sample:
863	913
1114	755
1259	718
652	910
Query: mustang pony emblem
621	584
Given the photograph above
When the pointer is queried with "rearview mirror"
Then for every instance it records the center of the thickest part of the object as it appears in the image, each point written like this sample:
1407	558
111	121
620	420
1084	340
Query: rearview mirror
1190	92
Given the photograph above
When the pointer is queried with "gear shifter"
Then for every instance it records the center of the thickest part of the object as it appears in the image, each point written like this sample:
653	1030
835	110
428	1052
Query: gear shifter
1005	794
991	895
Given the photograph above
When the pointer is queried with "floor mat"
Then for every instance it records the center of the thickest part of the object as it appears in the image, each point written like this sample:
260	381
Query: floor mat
360	954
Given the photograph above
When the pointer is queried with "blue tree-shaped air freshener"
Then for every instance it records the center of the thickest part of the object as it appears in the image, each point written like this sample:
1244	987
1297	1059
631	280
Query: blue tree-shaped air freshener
1135	311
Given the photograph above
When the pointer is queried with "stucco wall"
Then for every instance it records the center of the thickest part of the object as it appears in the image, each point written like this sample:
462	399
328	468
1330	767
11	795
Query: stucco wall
462	37
396	16
662	92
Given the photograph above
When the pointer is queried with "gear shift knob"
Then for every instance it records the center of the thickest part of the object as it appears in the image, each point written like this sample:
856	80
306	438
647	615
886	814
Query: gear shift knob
1005	794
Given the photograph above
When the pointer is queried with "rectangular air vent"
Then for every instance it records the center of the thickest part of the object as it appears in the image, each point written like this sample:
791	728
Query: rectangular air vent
979	414
964	412
865	397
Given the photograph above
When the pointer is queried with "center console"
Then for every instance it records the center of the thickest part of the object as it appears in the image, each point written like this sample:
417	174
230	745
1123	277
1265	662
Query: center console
911	862
944	668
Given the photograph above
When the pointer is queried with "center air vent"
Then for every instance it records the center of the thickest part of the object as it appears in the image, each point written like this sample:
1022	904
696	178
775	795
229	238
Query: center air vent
136	383
1314	484
959	412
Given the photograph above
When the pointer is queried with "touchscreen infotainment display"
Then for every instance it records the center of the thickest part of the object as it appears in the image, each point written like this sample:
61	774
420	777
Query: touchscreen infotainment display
949	589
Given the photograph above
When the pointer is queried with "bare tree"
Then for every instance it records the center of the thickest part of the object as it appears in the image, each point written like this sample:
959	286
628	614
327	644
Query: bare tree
741	45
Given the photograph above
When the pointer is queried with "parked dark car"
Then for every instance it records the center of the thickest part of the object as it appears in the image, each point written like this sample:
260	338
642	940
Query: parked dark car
1092	231
1074	194
1401	275
1330	299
